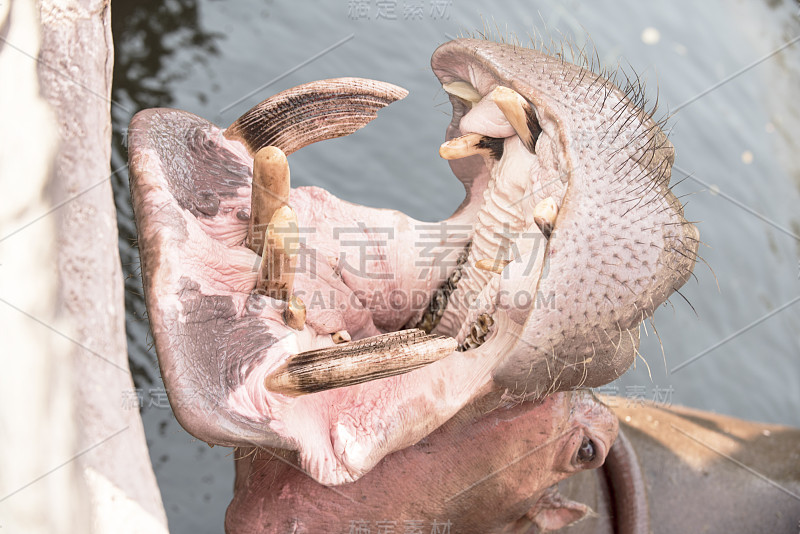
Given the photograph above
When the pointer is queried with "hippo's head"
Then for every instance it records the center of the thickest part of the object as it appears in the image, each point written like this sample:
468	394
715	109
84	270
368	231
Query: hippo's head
568	238
478	473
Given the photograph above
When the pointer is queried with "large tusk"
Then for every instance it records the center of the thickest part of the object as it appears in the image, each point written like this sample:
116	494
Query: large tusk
519	113
544	215
279	259
470	145
271	186
356	362
313	112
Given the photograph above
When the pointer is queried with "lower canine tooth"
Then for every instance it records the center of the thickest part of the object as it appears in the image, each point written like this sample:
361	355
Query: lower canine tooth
494	266
356	362
544	215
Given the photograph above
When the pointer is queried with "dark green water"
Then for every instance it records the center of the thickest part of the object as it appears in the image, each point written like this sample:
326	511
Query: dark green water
738	140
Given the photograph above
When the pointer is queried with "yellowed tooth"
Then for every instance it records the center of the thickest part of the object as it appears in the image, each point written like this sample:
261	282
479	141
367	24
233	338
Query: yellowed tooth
494	266
462	90
519	113
271	186
342	336
295	313
359	361
279	257
462	147
544	215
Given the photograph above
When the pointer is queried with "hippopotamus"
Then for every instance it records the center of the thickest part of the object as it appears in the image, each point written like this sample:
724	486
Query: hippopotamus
670	469
678	469
491	468
287	318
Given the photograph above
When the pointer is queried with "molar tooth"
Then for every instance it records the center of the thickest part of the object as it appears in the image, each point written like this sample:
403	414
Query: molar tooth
519	113
475	332
295	313
271	186
279	257
462	90
356	362
544	215
493	266
341	336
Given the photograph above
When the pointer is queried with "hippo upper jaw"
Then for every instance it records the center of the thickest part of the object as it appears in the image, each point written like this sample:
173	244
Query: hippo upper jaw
602	261
572	294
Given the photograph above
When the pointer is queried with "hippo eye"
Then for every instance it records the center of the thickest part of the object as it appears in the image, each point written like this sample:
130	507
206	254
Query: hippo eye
587	451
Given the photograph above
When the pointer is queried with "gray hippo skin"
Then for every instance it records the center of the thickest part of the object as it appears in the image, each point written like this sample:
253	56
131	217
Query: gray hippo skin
568	237
697	472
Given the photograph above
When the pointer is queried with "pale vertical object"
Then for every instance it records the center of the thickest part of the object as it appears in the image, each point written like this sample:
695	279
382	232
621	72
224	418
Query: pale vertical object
37	419
117	491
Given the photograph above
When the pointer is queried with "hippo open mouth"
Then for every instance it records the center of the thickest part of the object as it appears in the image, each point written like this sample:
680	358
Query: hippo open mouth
290	318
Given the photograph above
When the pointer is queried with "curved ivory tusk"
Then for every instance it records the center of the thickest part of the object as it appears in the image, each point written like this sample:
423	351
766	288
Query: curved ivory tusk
313	112
360	361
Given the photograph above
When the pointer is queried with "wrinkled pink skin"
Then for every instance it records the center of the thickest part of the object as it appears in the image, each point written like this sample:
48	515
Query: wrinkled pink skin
341	433
620	247
483	472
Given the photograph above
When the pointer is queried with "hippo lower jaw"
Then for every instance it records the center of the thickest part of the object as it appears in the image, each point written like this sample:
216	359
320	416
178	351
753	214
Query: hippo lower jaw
482	473
559	213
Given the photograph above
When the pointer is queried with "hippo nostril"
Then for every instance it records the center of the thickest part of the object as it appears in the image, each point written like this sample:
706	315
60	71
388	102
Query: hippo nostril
587	451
